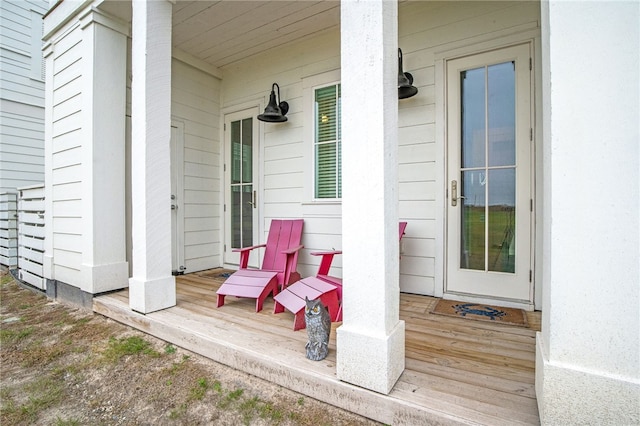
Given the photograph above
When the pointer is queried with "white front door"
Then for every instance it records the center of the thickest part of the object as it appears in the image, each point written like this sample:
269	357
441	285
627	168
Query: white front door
241	185
177	202
489	167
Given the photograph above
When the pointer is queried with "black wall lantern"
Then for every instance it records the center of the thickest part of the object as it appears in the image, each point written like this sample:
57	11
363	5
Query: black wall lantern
275	112
405	81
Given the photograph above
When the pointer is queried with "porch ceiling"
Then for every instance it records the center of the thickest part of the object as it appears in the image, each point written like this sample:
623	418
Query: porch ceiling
223	32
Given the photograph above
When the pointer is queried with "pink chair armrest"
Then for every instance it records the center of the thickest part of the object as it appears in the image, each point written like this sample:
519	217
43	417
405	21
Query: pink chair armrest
325	262
292	250
322	253
290	264
402	227
248	248
244	254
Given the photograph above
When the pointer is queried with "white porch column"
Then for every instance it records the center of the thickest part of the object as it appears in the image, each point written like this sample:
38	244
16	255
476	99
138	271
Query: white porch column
104	50
152	286
588	352
371	338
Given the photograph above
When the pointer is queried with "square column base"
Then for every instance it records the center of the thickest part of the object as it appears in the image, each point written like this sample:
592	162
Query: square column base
368	361
154	295
106	277
568	395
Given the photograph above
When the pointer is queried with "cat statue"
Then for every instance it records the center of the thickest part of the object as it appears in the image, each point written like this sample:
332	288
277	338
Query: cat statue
318	329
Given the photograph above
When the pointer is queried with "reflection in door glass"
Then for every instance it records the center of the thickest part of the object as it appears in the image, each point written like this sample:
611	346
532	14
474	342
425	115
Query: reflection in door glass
241	216
241	183
501	98
488	175
472	83
472	220
502	220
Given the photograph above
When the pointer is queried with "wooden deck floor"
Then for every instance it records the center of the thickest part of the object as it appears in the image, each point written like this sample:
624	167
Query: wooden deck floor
458	371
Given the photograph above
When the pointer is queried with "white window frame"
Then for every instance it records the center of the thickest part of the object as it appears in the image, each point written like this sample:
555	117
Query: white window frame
337	141
310	84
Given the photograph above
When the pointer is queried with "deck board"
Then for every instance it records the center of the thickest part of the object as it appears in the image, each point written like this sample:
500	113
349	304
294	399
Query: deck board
458	371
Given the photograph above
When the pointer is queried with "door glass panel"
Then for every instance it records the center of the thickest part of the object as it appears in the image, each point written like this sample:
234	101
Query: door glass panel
472	85
502	220
473	218
247	152
487	228
501	114
236	152
241	183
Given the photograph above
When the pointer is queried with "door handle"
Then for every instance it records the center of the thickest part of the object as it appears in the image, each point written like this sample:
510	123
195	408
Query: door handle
454	193
253	201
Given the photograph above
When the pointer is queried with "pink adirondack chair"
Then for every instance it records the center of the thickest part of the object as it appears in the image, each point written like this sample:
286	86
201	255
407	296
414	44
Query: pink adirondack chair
293	297
325	265
278	265
403	226
327	259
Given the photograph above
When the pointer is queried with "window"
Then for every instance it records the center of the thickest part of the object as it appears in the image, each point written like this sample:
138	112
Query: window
327	142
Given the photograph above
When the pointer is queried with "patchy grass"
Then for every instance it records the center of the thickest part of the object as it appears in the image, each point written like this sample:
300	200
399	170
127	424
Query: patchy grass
67	422
6	278
65	366
128	346
8	337
24	407
198	392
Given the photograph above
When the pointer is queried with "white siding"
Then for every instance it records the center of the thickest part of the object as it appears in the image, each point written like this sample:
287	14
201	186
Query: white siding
66	154
285	153
21	93
195	102
426	28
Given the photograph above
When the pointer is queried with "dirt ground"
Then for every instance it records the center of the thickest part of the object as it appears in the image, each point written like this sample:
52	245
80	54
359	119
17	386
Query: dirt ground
63	366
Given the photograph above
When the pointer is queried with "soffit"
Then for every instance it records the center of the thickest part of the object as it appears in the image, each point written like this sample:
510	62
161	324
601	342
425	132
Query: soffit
223	32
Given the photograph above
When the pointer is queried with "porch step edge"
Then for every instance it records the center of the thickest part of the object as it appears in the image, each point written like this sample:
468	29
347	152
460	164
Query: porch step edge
379	407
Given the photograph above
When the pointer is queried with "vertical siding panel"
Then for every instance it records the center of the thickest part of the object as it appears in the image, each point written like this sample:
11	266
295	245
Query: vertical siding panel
196	103
66	161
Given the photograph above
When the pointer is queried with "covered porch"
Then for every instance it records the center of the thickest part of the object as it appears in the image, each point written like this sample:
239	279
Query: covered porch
458	371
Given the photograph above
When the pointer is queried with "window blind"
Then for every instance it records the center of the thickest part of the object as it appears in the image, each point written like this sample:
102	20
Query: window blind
328	159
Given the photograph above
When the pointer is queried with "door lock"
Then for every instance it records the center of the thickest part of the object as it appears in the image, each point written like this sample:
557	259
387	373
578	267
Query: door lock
454	193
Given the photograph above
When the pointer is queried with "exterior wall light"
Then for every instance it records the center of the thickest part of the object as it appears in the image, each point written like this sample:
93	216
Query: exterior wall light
405	81
275	112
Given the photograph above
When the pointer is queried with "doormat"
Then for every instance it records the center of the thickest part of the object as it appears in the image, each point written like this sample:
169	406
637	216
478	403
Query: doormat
481	312
218	274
